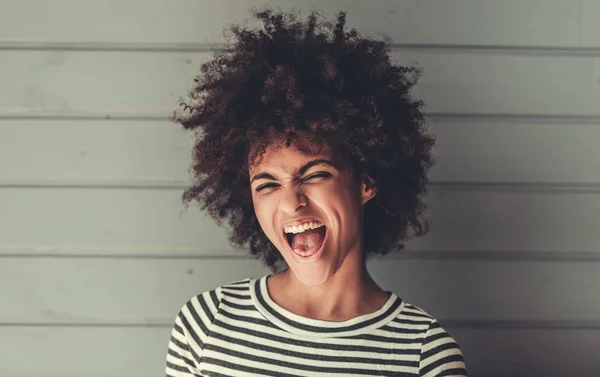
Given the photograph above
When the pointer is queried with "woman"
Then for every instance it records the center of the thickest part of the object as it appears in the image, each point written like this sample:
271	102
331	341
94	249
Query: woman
312	149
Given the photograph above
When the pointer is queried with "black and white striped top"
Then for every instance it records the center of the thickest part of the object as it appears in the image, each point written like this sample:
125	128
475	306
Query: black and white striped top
237	330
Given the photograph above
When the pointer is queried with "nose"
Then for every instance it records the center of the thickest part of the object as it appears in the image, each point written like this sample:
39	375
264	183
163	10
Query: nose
292	198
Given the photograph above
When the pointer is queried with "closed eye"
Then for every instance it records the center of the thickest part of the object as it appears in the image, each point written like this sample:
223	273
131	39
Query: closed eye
316	175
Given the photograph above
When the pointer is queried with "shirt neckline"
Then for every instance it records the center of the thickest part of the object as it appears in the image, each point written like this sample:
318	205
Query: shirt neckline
299	325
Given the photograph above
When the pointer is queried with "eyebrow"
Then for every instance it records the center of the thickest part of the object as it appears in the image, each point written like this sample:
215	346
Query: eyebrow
300	171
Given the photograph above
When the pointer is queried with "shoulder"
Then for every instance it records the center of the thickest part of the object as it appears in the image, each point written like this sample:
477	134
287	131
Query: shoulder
416	312
198	313
440	354
414	318
208	302
192	327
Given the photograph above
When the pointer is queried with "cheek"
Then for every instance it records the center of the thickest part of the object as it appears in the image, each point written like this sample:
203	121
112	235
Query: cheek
259	209
263	212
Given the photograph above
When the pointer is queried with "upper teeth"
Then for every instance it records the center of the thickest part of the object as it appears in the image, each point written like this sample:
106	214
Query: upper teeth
302	227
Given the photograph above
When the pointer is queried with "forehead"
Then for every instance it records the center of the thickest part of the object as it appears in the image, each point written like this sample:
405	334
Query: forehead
301	148
289	158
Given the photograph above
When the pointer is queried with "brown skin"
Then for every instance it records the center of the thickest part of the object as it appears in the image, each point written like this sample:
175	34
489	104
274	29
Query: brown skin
336	286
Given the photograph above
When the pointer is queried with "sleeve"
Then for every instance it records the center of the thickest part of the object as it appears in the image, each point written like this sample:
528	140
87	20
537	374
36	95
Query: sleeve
181	362
440	354
189	334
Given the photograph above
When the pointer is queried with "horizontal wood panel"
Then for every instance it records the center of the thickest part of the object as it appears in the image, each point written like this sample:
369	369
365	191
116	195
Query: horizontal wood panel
147	291
512	22
78	352
480	150
96	81
479	82
462	220
140	352
596	87
524	151
527	353
512	220
590	29
152	82
95	151
111	217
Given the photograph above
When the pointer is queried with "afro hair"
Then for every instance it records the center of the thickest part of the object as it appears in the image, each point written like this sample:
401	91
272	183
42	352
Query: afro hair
292	79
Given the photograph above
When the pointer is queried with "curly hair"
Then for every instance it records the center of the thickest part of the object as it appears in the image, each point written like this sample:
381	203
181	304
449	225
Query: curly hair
296	79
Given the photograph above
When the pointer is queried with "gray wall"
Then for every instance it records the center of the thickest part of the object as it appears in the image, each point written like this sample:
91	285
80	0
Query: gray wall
97	255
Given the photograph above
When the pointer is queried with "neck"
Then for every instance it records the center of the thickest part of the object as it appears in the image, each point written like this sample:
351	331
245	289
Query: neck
347	294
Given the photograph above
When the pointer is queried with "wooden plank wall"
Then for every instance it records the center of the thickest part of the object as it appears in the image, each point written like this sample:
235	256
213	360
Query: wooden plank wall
97	255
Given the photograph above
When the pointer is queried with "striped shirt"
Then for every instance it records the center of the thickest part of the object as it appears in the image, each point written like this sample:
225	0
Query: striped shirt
237	330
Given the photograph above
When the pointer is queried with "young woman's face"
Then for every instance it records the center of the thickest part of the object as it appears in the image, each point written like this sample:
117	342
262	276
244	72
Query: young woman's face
288	186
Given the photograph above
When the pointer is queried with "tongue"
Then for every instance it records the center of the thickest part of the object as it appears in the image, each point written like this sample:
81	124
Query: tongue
308	241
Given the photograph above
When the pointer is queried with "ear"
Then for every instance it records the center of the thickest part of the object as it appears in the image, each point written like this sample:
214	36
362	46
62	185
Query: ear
368	188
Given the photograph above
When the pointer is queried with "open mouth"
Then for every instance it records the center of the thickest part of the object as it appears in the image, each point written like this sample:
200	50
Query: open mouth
308	242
